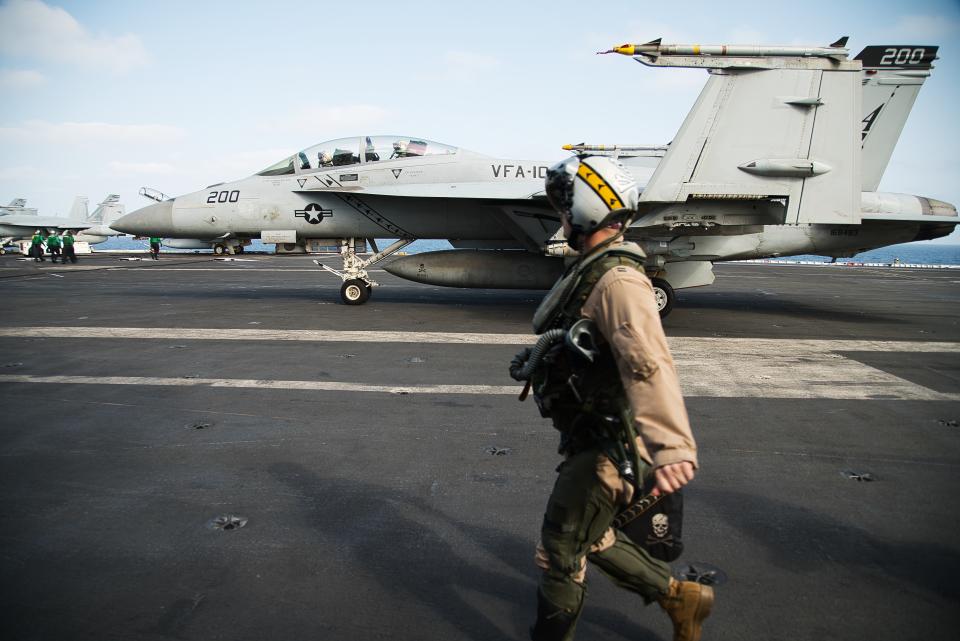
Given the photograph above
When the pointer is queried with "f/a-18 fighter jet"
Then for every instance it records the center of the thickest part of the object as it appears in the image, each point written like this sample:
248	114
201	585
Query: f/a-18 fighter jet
767	163
350	191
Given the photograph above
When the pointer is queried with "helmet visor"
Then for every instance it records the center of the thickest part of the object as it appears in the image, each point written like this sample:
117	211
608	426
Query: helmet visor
559	185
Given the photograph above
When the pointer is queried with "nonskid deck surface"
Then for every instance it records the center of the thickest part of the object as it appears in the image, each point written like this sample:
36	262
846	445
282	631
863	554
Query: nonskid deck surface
392	485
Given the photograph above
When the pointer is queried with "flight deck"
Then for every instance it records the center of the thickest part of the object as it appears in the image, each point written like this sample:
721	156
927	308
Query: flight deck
206	449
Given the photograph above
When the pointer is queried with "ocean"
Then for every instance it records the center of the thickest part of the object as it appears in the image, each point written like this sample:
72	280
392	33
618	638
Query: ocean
922	253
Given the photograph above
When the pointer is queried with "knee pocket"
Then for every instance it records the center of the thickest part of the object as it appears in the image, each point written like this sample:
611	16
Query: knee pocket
568	534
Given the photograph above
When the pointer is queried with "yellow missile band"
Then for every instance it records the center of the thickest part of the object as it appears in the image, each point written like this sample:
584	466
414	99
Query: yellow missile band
696	50
626	49
602	189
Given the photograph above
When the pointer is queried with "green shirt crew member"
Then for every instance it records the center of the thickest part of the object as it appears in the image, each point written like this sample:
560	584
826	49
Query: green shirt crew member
36	246
602	372
155	247
53	246
68	251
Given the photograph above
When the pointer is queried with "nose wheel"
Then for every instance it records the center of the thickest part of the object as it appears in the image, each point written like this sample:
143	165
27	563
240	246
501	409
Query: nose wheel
357	285
355	292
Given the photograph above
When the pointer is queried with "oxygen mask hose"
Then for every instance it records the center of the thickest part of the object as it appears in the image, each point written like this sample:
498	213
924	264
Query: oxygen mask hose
525	363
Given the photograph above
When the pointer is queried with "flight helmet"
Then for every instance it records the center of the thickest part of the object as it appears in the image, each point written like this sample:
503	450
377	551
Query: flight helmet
592	192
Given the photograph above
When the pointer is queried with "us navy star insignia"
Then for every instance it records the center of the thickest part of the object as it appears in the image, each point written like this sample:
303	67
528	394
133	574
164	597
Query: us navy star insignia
313	213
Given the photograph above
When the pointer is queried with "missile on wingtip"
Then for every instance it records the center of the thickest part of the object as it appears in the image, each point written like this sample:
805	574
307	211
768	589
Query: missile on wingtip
494	269
654	48
583	147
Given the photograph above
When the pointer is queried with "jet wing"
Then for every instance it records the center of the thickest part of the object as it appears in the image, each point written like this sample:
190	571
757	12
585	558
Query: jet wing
47	222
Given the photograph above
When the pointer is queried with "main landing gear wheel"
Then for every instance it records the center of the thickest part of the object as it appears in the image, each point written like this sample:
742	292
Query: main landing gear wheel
664	296
219	249
355	292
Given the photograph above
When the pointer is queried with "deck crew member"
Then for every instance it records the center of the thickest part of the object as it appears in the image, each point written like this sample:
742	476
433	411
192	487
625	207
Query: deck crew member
53	246
68	251
36	247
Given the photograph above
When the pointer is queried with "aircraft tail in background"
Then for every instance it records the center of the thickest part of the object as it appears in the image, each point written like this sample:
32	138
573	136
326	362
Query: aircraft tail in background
78	211
892	77
107	211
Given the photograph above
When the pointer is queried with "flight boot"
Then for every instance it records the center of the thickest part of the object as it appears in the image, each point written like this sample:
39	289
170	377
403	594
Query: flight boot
687	603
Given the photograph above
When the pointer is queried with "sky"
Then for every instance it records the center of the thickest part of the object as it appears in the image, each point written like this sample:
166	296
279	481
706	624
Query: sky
107	97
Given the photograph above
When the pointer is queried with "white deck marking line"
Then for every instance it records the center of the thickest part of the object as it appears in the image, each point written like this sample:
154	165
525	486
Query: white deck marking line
266	335
890	389
682	347
238	269
708	367
92	268
321	386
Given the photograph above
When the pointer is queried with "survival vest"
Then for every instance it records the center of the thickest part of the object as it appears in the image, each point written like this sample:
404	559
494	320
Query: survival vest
585	400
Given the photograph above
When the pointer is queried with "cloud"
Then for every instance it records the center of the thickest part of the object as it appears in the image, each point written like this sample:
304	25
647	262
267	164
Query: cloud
20	173
921	27
328	122
39	131
33	29
467	61
20	78
138	168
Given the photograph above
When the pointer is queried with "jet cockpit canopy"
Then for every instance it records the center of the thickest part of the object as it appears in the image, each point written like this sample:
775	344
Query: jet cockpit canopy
357	150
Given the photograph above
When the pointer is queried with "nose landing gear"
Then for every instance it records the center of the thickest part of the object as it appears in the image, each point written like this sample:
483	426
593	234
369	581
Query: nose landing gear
357	285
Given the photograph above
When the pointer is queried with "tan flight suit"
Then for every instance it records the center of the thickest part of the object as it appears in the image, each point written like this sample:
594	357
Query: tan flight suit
589	490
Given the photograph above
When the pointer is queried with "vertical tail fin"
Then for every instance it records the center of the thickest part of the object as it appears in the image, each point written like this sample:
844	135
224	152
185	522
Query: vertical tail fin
892	77
79	209
107	211
771	124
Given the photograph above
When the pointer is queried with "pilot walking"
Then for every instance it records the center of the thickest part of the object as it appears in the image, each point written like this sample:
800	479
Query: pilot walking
53	246
36	247
68	251
155	247
602	372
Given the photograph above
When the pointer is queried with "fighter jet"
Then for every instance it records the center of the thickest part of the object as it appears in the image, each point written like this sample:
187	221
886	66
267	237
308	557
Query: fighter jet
18	222
767	163
349	191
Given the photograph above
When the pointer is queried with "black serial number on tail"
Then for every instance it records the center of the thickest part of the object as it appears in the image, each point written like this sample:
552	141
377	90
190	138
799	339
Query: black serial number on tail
897	56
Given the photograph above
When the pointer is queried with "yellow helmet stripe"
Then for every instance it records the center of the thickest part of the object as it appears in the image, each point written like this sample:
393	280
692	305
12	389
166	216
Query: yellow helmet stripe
600	187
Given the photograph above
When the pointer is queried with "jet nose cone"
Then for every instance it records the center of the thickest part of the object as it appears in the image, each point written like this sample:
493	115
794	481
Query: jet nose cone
152	220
